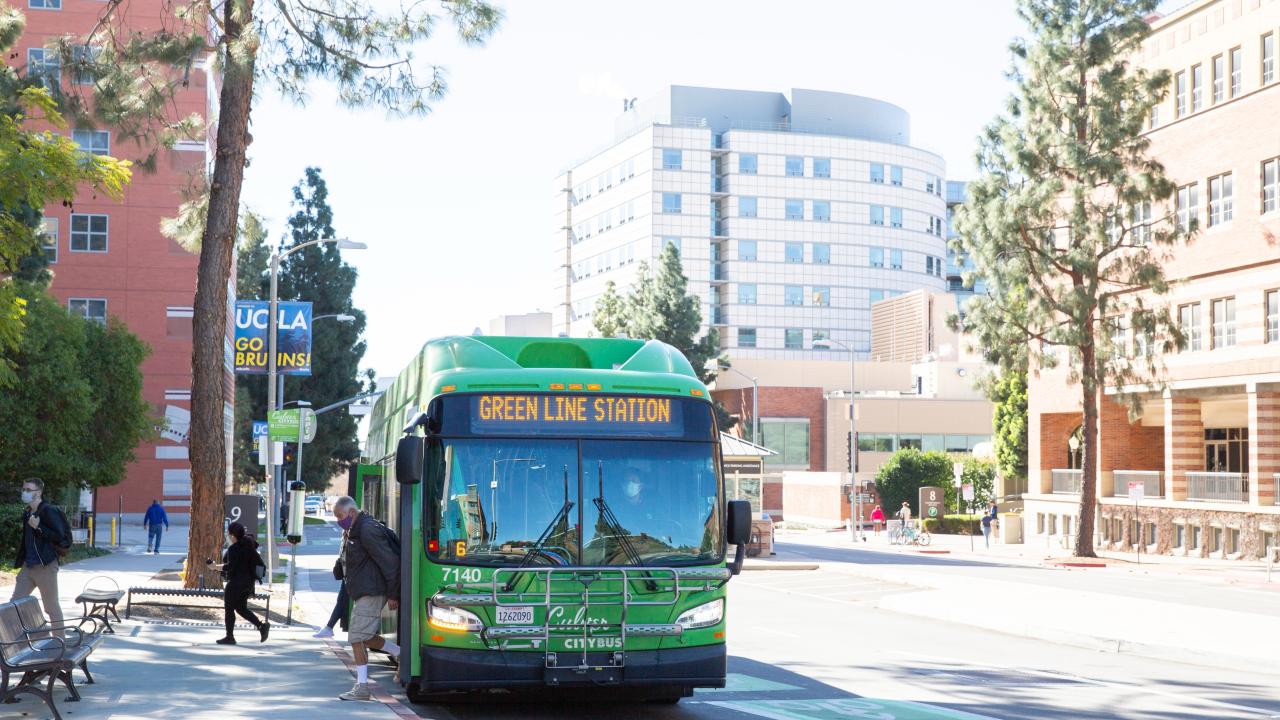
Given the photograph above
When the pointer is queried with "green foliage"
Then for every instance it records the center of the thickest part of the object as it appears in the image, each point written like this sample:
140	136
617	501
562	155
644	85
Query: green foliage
610	316
1009	394
10	528
954	525
979	473
75	412
900	478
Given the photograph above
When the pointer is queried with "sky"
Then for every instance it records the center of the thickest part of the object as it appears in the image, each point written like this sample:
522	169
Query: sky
457	207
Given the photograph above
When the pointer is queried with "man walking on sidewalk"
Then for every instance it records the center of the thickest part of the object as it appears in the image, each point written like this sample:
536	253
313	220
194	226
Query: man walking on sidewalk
371	571
987	519
155	517
45	535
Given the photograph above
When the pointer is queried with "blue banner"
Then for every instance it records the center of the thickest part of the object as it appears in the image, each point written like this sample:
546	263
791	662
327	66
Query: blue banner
293	337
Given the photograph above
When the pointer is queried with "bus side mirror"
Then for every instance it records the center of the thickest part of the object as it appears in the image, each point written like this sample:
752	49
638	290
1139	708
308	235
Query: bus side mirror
738	531
409	460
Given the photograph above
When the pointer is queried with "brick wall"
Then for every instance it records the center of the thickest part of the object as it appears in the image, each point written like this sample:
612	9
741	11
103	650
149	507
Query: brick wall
1264	446
1183	444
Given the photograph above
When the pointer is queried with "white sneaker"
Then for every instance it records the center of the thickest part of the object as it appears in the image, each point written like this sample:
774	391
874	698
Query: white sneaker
359	691
325	632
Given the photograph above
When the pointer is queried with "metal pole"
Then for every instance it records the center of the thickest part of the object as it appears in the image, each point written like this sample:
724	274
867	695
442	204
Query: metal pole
293	580
120	518
853	443
273	509
755	411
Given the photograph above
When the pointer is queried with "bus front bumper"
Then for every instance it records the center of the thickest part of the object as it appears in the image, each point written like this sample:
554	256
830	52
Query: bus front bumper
451	669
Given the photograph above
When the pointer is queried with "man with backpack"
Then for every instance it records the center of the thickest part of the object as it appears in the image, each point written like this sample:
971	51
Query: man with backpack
370	561
46	537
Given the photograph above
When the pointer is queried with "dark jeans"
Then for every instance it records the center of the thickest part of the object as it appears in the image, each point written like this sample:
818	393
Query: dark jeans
153	537
340	607
236	600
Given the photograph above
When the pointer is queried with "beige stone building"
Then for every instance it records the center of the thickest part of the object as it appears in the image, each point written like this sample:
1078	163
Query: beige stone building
1206	448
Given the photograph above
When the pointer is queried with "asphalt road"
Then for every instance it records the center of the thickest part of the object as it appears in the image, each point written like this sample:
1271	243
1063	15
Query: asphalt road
809	645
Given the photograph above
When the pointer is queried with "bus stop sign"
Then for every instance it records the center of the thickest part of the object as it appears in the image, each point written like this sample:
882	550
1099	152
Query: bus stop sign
931	499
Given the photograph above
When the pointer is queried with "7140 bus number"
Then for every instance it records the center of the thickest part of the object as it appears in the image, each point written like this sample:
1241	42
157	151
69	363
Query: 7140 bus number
466	575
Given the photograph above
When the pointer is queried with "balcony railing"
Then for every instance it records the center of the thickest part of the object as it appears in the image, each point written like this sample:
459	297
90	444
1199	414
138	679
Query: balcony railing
1150	480
1067	481
1218	486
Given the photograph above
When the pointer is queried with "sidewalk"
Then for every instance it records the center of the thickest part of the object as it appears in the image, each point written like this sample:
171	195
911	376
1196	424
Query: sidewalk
1172	611
150	669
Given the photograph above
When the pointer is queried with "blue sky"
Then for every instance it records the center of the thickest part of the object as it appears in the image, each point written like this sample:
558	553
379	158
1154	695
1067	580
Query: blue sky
456	207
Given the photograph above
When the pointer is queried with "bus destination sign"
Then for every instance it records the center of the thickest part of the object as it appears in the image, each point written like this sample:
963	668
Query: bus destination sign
576	414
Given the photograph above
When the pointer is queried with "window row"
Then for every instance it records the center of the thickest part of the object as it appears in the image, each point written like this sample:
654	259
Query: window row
89	233
892	442
596	225
617	174
820	167
606	261
1221	197
806	296
793	209
1221	80
1222	322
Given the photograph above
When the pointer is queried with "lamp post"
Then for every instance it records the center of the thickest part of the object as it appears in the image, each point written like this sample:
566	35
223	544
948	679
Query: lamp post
715	364
829	344
273	500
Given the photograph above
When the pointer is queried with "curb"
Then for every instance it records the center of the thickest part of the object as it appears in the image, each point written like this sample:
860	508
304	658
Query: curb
773	565
376	689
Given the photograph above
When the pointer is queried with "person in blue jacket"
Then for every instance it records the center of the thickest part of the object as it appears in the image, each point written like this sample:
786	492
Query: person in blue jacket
155	517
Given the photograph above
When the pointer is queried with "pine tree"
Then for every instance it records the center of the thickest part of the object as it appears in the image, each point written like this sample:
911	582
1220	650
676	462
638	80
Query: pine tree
1009	394
318	275
609	317
1056	224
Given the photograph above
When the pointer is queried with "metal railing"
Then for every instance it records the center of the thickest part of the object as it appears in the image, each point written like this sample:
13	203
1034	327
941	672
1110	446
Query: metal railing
1152	487
1067	481
1219	486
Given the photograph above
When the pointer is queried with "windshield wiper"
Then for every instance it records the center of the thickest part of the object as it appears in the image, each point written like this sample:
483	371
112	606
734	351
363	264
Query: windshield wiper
618	531
536	549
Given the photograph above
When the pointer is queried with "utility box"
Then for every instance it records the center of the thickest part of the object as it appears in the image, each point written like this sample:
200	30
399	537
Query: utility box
761	537
1011	528
931	503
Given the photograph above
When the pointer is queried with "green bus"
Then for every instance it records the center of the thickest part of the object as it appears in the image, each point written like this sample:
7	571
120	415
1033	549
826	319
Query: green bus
562	517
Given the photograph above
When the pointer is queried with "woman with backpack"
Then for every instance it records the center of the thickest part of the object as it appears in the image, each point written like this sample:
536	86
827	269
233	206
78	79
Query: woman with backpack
239	567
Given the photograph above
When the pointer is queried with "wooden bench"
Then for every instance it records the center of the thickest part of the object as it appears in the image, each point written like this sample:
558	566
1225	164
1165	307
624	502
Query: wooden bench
41	657
175	592
100	602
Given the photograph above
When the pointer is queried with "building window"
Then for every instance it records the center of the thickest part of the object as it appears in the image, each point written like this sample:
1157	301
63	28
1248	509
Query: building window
877	173
1219	78
44	65
822	210
1273	316
895	259
747	207
1155	116
1271	185
747	164
1180	536
821	335
1219	199
875	296
1232	543
746	337
178	321
895	217
877	257
1195	537
1197	86
1180	94
44	4
672	159
1237	71
793	295
673	241
1188	207
88	233
788	438
895	175
794	252
97	142
928	264
1268	57
1224	323
746	249
89	308
1189	324
1226	450
822	167
84	59
877	214
49	239
671	202
795	166
793	339
821	295
795	209
821	253
1142	223
747	294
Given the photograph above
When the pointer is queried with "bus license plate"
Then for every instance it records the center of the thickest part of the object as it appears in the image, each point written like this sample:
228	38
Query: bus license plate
522	615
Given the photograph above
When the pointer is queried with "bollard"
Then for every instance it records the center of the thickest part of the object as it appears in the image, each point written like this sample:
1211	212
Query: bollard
92	538
113	531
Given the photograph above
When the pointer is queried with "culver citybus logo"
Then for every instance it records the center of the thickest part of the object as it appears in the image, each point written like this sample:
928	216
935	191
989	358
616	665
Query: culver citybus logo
293	337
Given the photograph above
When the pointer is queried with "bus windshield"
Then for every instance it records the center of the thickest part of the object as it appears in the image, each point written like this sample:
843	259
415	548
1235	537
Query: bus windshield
512	502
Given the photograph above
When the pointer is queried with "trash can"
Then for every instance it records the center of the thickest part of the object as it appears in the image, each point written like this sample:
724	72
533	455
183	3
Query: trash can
1011	528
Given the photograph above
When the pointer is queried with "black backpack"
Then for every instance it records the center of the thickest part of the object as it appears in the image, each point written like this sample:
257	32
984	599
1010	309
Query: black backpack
392	538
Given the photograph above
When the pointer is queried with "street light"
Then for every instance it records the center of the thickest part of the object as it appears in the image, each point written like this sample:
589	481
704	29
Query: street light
715	364
831	344
272	310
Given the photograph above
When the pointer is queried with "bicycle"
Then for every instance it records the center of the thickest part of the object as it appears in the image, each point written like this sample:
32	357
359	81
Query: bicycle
909	536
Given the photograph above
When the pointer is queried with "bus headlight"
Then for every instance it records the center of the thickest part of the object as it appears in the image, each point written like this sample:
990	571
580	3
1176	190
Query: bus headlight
704	615
451	618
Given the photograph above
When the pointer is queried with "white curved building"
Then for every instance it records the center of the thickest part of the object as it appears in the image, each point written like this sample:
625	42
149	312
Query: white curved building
791	216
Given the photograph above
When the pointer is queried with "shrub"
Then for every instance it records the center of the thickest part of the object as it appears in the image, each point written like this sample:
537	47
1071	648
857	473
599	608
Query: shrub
10	531
905	472
954	525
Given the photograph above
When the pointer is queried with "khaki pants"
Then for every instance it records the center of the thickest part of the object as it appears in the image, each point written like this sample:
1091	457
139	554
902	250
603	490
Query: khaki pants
45	579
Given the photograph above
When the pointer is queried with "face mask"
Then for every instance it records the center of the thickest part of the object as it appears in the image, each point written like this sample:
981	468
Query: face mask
345	523
28	496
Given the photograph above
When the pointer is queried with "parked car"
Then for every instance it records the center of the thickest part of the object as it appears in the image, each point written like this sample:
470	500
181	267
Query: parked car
314	505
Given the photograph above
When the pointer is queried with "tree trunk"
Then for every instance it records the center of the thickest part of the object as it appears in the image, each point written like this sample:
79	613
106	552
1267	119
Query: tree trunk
1089	430
209	326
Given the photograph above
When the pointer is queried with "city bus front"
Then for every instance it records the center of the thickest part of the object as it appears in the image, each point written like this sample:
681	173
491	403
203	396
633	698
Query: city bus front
572	540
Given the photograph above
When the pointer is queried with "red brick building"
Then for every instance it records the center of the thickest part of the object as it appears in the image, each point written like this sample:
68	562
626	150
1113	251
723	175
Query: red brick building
109	258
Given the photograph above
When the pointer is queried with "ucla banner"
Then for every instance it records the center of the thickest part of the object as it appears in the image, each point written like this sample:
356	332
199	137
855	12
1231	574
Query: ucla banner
293	337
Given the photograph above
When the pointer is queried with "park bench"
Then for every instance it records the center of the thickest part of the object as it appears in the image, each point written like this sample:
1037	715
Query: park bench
175	592
42	631
44	656
100	602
